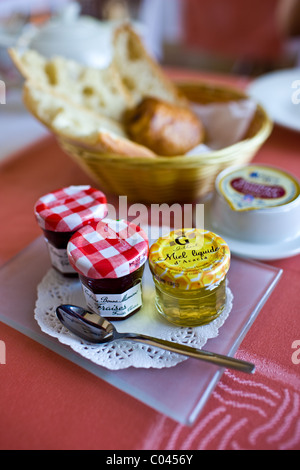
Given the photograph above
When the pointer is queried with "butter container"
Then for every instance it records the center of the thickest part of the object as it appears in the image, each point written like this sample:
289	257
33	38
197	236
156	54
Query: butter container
256	204
189	268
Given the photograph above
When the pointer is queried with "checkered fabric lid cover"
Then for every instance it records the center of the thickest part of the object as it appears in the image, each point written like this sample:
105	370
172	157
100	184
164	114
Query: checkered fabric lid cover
108	249
67	209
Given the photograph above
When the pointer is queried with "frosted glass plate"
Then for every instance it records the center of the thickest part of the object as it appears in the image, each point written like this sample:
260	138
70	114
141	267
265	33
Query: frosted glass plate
251	283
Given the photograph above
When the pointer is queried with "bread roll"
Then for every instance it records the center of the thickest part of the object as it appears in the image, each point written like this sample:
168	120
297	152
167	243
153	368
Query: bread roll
164	128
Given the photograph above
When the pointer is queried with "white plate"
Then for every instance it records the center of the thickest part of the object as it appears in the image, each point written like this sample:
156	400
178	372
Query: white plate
279	93
263	251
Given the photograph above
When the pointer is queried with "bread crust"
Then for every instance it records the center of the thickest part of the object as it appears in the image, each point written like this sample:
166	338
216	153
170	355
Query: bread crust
113	145
140	72
105	136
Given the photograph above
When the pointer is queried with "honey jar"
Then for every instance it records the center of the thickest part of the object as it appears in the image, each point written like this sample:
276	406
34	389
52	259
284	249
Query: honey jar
189	268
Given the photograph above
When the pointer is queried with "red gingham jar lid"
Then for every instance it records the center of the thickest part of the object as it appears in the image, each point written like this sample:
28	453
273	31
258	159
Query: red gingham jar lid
108	249
67	209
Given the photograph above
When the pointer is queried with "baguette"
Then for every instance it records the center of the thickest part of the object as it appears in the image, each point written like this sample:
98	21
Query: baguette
90	106
100	90
132	75
83	127
141	75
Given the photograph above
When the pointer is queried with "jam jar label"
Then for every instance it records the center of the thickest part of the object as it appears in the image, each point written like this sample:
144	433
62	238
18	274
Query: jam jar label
59	259
114	305
258	187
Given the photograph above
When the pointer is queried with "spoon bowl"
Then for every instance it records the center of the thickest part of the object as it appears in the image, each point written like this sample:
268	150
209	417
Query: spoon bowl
87	325
93	328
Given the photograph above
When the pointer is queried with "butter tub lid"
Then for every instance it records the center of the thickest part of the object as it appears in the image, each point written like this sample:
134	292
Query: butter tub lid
67	209
254	187
189	259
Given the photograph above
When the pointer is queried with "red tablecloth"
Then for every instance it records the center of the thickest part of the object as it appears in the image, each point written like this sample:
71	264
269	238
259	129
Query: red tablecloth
46	402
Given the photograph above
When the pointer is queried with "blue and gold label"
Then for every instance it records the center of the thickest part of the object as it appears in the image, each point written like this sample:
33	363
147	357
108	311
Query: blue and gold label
256	187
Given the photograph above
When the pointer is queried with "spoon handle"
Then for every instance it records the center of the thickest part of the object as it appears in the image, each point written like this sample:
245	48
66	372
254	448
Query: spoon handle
218	359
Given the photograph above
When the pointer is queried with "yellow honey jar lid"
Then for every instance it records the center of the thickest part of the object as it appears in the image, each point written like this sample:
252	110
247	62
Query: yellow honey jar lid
189	259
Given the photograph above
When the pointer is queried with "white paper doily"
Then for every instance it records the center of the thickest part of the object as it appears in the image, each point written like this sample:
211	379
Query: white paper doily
54	290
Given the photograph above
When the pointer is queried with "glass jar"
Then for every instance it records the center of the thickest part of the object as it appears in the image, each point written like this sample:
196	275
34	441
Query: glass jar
189	268
61	213
109	257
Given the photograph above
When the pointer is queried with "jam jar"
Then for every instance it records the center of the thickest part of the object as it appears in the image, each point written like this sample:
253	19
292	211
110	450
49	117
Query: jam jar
189	268
61	213
110	257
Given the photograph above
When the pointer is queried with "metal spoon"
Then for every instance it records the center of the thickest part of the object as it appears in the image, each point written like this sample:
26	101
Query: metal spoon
96	329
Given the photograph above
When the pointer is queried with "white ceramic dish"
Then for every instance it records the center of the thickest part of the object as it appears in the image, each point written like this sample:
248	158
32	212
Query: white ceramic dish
279	93
255	250
82	38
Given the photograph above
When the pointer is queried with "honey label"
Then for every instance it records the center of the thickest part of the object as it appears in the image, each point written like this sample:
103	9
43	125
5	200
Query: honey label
187	250
258	187
189	258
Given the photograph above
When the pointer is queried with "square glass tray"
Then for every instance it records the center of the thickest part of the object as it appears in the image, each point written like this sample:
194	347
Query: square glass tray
189	383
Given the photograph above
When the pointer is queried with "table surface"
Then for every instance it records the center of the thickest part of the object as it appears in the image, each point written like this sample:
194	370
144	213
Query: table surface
47	402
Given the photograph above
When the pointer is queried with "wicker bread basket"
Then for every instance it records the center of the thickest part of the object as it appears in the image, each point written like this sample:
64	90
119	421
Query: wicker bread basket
173	179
